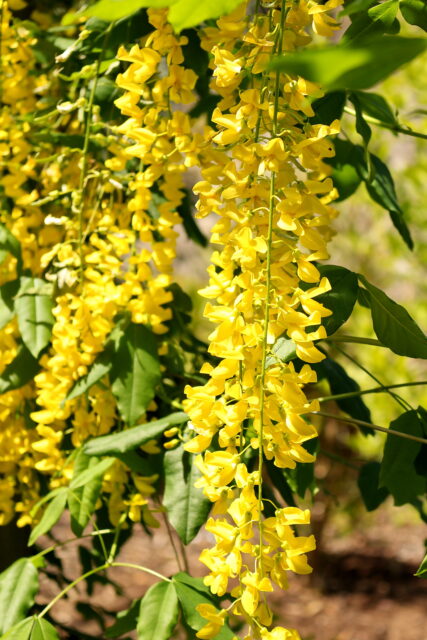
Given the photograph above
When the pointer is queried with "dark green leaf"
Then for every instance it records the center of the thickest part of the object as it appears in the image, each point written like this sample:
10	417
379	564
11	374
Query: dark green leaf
50	517
346	172
97	371
302	477
82	501
158	612
368	482
126	621
20	371
340	382
187	507
191	228
280	482
381	189
8	292
355	65
398	473
394	326
354	6
34	311
362	127
18	587
132	438
328	108
9	244
135	372
376	106
422	569
341	298
192	592
415	12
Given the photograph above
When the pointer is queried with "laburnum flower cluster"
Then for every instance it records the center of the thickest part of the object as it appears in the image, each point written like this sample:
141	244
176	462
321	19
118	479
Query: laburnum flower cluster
267	181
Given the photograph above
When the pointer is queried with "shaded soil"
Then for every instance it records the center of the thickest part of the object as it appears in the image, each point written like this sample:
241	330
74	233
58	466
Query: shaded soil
362	588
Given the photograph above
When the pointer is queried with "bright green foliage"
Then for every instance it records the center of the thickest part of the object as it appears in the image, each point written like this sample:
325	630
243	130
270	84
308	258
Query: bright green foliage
18	586
158	613
352	65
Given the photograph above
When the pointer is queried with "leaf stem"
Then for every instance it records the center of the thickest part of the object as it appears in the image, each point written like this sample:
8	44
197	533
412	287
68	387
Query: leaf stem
392	127
362	423
356	339
92	572
402	403
362	392
80	208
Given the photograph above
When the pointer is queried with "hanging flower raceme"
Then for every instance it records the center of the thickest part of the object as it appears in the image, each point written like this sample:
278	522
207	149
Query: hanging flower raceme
267	181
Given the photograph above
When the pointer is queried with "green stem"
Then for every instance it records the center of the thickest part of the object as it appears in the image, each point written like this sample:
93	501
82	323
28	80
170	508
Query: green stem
392	127
268	295
92	572
356	339
402	403
362	423
57	545
113	550
80	209
362	392
339	459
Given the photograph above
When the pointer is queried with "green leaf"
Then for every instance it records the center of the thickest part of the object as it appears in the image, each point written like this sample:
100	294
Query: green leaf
43	630
82	500
189	13
91	473
302	477
379	19
381	189
340	382
284	350
368	482
341	298
187	507
9	244
8	292
346	174
18	587
394	326
20	371
354	65
362	127
281	483
354	6
158	613
135	372
132	438
191	228
192	592
50	517
34	311
101	366
422	569
328	108
415	12
126	621
398	473
21	631
112	10
376	106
